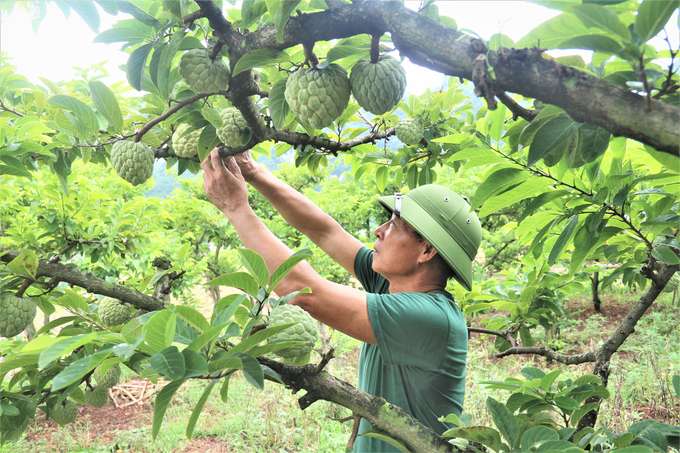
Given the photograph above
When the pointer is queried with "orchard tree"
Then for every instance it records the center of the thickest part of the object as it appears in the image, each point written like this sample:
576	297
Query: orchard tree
584	154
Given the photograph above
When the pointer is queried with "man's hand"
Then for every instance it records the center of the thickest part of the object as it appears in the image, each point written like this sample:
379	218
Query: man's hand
249	168
223	183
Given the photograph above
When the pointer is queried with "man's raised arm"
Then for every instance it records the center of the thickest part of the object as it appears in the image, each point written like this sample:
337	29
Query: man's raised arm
302	214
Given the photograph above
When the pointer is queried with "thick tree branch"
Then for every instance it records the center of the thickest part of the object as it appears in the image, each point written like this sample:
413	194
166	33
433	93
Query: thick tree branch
381	414
88	282
584	97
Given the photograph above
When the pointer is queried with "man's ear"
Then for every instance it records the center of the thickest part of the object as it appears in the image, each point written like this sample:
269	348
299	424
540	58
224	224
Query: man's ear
428	252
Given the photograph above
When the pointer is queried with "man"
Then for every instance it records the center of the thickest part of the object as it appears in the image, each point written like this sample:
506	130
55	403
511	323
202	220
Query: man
415	337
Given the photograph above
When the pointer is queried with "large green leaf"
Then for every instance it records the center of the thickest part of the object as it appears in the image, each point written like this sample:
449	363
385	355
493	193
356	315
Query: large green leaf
197	410
226	307
385	437
481	434
652	17
252	370
161	405
525	190
592	42
260	58
160	329
563	239
79	110
240	280
594	142
537	435
123	34
665	255
206	337
136	64
552	32
505	422
286	267
550	136
169	363
207	141
603	18
78	369
255	265
87	11
25	264
195	363
259	337
497	181
64	346
126	7
278	107
106	103
193	317
541	201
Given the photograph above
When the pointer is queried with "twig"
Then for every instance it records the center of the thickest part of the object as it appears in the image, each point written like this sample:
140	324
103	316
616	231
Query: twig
355	432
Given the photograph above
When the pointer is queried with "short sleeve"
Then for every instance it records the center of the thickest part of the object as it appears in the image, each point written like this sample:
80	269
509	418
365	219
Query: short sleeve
410	328
369	279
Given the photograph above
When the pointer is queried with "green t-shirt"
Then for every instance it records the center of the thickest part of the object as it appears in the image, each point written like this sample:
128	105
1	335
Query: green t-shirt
419	361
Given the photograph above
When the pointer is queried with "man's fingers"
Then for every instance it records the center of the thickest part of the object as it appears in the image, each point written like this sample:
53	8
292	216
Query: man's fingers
207	163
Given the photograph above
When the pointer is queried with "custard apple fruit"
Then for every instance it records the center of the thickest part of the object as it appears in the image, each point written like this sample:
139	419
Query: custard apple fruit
318	96
108	379
112	312
378	87
232	128
187	145
410	131
98	397
16	313
132	161
203	74
65	413
305	330
672	283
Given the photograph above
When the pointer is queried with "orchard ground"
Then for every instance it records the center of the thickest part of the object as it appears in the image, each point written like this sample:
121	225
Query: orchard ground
270	420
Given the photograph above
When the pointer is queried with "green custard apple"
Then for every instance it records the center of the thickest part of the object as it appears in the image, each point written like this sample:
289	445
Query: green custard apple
98	397
65	413
378	87
203	74
305	331
132	161
410	131
16	313
185	145
318	96
108	379
233	126
112	312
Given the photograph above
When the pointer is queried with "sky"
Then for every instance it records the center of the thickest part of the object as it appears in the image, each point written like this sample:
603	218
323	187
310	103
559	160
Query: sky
61	44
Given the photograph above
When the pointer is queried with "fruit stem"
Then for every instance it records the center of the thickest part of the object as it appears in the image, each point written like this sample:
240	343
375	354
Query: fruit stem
375	48
216	50
310	56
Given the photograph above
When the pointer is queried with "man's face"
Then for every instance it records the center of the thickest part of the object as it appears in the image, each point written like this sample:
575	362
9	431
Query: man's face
396	249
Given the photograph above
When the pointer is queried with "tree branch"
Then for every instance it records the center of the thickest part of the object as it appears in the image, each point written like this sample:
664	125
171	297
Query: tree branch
551	354
88	282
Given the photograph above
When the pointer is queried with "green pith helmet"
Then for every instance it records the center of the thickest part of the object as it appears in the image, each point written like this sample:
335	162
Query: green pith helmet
444	219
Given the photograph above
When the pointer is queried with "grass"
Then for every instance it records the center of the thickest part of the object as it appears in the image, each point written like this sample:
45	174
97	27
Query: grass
271	421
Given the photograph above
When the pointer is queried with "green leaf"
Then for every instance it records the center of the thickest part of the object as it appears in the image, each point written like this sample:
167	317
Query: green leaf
595	43
541	201
255	265
19	362
207	141
136	64
505	421
87	11
552	32
537	435
123	34
106	103
64	346
550	136
286	267
594	142
160	329
282	15
169	363
252	370
260	58
193	317
259	337
195	363
563	239
126	7
652	17
197	410
603	18
212	116
665	255
161	405
240	280
525	190
341	51
381	178
206	337
498	181
278	107
226	307
224	390
382	435
669	160
481	434
78	369
676	384
25	264
81	111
